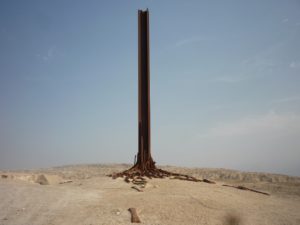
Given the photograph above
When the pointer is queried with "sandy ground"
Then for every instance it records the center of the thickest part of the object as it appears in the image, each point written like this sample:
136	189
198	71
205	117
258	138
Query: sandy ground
83	195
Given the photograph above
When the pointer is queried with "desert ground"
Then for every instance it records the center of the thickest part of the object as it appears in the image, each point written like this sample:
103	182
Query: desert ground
85	195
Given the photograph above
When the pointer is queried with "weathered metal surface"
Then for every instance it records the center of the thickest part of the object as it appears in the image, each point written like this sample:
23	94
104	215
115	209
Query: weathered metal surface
144	134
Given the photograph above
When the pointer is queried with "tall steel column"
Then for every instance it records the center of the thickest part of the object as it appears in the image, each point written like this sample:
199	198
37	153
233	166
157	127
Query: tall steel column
144	153
144	165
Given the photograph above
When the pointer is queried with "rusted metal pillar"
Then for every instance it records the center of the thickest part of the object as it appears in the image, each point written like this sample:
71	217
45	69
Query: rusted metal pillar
144	166
144	135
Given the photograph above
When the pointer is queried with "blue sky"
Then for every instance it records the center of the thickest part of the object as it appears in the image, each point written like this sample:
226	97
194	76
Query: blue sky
225	78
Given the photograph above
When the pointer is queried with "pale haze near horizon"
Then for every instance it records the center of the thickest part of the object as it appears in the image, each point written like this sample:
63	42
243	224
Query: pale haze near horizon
225	80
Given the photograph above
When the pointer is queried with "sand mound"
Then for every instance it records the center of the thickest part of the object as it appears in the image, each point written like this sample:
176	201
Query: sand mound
41	179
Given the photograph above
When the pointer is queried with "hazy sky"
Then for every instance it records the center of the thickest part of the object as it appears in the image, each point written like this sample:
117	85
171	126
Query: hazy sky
225	83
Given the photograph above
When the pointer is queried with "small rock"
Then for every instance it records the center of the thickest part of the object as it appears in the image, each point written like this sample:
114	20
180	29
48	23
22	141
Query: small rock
116	211
4	176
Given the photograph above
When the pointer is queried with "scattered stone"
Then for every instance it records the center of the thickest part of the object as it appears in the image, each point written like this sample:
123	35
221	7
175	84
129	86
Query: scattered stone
116	211
4	176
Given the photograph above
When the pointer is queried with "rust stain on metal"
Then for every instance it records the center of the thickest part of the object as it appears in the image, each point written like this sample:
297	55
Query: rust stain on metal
144	134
